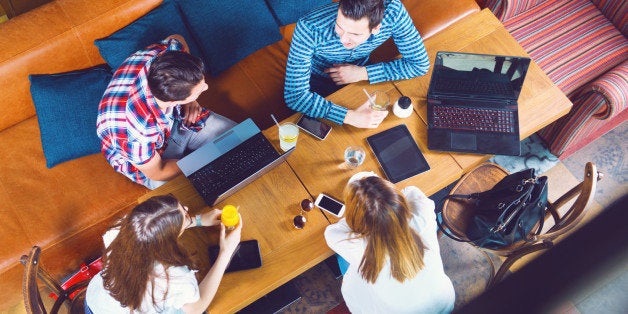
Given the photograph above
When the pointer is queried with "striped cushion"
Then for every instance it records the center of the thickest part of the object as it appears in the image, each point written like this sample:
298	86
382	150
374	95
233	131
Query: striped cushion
602	100
570	40
506	9
616	11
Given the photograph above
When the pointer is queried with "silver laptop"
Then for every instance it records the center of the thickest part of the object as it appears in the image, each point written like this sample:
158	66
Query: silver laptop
231	161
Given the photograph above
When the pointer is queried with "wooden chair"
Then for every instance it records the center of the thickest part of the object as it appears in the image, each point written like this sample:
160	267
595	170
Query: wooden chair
30	288
457	213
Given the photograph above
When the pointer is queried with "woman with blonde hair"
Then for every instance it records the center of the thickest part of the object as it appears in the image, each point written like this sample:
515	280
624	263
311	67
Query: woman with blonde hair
388	237
147	270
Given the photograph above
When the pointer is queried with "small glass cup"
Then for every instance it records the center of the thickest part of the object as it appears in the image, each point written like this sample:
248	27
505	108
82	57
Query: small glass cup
354	156
379	100
288	134
300	220
230	217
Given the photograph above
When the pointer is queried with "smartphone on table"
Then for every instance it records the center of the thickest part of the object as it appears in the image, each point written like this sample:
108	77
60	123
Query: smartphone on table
314	127
330	205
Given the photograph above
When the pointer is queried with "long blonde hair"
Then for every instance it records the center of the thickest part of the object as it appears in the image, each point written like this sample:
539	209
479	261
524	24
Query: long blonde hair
379	213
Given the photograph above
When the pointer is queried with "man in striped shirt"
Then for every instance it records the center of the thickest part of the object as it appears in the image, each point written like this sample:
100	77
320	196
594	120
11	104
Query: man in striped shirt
331	47
149	118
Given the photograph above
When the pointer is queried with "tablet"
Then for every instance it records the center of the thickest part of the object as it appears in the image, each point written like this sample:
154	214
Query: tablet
397	153
246	256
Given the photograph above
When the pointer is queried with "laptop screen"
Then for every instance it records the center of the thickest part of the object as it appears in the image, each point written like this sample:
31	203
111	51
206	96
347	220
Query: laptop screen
478	74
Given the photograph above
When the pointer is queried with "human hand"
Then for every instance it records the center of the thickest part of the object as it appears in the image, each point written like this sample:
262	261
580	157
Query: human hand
229	241
191	111
365	117
211	218
343	74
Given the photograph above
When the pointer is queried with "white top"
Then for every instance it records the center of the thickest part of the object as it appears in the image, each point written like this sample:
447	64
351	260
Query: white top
431	291
181	288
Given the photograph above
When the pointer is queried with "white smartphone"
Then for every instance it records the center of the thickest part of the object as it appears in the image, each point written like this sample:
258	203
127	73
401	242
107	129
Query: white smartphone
330	205
314	127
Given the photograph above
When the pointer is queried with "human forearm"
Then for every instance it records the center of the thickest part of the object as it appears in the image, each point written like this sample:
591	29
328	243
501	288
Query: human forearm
159	169
209	285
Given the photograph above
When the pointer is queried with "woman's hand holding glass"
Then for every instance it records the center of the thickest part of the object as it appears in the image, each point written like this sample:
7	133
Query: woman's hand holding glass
229	240
211	218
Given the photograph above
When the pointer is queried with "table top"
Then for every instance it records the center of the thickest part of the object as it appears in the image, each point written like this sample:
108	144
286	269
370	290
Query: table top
319	164
269	204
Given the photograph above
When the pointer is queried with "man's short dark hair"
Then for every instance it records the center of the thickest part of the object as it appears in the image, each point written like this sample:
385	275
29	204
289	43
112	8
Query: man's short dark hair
357	9
173	74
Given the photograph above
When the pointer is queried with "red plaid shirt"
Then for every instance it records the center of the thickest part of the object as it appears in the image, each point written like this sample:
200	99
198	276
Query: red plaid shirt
130	124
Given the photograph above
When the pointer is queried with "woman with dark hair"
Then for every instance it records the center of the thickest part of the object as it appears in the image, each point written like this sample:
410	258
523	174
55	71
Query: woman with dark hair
147	270
388	238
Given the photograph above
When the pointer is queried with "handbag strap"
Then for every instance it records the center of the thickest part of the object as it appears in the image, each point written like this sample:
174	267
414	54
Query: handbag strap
441	227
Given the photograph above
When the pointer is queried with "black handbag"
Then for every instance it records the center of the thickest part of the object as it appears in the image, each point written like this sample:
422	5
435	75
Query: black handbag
508	212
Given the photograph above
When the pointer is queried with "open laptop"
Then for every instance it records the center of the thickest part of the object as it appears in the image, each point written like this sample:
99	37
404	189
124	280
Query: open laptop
472	103
231	161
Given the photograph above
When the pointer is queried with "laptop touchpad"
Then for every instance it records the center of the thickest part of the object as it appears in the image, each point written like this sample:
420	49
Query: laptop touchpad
463	141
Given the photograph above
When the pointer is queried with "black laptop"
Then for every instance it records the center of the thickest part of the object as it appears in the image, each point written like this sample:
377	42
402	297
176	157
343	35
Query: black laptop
230	162
472	103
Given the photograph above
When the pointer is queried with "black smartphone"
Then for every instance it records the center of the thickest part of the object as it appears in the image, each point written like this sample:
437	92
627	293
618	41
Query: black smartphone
246	256
314	127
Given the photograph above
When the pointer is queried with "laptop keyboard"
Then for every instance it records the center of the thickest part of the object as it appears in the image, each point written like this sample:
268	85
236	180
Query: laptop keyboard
473	119
234	166
474	87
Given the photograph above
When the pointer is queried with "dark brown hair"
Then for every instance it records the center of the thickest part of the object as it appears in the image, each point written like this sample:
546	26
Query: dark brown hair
173	74
357	9
148	235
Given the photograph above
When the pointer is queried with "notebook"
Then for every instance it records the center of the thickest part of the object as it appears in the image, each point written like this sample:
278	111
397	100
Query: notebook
397	153
472	103
230	162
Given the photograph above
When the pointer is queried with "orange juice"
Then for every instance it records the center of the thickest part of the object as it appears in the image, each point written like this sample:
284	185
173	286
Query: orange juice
229	216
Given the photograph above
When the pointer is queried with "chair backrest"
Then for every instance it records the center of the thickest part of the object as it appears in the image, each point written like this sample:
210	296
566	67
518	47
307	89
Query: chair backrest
31	293
567	215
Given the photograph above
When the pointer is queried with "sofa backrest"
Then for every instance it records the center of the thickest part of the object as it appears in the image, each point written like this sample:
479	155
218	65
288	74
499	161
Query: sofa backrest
616	11
61	40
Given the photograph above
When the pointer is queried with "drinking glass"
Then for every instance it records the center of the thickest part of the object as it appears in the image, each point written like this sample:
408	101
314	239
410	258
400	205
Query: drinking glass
379	100
288	134
354	156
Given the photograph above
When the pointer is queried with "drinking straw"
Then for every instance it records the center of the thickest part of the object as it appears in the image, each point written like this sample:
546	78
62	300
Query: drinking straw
368	95
273	116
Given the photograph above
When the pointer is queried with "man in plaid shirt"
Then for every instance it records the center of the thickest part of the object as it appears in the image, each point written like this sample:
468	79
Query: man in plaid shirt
149	118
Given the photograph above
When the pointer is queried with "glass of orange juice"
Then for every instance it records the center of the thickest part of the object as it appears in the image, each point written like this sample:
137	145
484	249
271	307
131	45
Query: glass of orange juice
230	217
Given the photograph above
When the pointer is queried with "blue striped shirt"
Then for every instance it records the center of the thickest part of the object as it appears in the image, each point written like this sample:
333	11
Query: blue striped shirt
316	47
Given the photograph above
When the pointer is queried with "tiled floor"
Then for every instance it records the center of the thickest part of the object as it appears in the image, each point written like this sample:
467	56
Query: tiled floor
468	268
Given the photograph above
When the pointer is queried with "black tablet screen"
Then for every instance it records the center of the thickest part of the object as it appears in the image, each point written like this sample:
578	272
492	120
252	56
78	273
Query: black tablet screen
398	153
246	256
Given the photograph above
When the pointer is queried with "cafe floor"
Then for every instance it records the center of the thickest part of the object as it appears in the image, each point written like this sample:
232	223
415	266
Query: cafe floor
468	268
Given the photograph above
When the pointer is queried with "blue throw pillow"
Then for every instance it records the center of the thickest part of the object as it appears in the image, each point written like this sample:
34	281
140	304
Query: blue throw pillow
156	25
67	107
289	11
227	31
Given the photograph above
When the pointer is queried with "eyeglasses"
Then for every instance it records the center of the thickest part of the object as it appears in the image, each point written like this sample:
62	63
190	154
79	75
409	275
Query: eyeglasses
300	220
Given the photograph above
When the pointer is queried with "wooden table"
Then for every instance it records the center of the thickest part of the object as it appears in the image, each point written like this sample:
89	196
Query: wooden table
320	164
540	101
269	204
